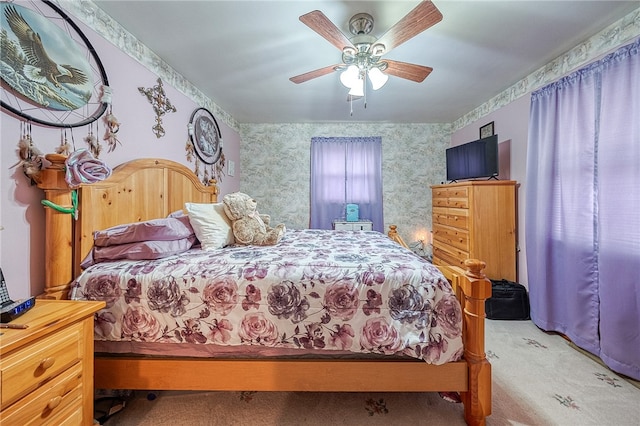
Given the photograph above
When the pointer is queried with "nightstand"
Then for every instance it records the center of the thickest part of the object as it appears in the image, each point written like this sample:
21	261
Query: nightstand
46	370
362	225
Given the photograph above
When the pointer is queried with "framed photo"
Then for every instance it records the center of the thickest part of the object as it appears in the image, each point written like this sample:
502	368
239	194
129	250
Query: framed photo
205	136
54	78
486	130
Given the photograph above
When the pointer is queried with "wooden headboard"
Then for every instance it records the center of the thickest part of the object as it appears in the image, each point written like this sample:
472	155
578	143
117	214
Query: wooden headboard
147	188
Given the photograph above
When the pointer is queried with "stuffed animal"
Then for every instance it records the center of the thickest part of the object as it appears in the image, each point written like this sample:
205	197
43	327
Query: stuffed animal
249	226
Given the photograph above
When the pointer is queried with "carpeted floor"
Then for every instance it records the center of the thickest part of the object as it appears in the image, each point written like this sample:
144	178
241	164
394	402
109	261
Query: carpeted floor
538	379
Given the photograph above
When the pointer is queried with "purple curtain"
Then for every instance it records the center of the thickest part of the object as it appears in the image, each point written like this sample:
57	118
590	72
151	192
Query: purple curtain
346	170
583	208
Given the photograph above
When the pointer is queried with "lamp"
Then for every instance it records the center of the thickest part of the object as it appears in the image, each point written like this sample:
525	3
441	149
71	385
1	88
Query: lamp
362	59
349	77
377	77
357	88
359	62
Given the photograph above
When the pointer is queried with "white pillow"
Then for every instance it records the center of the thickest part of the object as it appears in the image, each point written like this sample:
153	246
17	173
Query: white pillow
210	224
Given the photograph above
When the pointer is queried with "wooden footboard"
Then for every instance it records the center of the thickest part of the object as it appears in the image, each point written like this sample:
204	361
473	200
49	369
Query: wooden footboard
471	376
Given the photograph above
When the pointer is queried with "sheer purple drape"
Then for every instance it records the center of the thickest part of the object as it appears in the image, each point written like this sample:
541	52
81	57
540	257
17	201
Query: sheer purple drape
346	170
583	208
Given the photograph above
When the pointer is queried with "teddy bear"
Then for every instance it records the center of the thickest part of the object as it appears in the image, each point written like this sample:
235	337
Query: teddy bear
250	227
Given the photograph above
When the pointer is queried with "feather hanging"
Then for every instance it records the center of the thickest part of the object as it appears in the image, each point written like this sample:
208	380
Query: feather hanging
94	146
24	145
64	148
112	128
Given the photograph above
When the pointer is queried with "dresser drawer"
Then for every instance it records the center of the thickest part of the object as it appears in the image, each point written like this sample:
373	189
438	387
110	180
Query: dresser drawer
450	192
458	218
445	255
51	401
70	417
25	369
461	203
455	237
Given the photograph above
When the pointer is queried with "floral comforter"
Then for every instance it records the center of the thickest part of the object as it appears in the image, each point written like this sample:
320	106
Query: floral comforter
331	290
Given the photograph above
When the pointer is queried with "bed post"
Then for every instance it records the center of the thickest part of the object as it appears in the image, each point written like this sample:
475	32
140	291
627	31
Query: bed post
393	234
58	229
476	288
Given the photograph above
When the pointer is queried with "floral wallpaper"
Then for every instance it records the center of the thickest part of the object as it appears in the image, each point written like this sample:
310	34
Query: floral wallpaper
275	163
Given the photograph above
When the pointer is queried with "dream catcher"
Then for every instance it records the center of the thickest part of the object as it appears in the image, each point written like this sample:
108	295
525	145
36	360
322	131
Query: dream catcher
204	146
55	79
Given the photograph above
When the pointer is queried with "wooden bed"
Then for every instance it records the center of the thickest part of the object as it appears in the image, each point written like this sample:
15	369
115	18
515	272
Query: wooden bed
153	188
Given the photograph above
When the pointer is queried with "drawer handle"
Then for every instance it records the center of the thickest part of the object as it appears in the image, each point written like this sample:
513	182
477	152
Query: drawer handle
54	402
47	362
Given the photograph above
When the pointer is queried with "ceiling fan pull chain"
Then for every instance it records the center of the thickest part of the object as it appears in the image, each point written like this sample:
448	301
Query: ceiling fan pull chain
364	83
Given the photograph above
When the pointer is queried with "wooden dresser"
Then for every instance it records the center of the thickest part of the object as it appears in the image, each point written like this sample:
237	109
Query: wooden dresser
476	219
46	370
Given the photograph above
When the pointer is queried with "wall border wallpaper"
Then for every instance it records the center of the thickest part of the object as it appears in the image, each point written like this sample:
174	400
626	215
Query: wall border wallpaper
94	17
614	35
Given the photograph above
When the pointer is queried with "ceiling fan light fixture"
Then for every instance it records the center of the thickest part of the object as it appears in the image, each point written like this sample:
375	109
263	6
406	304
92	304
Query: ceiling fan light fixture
377	49
349	77
358	88
377	77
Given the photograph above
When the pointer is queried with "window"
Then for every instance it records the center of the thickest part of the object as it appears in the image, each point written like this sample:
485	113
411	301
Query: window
346	170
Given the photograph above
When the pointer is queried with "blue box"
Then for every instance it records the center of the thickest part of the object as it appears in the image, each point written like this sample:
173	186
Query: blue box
352	213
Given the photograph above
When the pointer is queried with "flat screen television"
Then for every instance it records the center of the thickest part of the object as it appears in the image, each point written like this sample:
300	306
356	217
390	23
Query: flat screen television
472	160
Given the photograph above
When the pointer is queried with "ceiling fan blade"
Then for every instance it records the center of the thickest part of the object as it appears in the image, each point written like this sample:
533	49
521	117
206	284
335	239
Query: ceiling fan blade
407	71
313	74
423	16
319	23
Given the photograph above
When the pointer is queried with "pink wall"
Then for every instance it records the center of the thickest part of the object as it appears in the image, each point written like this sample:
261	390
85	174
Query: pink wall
511	123
21	213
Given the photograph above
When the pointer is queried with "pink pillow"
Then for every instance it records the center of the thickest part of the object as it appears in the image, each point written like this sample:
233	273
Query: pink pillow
166	229
138	251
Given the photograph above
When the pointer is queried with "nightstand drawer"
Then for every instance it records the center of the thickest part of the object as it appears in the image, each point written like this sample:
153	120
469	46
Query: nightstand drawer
57	396
362	225
24	370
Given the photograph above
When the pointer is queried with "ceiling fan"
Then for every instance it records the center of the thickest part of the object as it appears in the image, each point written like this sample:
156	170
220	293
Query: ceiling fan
361	55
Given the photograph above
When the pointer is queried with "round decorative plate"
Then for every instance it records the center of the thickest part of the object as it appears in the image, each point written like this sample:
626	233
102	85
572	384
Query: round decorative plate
205	136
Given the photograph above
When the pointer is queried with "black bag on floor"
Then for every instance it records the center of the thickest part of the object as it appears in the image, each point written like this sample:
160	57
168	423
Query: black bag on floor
508	301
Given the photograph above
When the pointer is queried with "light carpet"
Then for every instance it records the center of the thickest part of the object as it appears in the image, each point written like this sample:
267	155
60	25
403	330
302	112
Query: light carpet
538	379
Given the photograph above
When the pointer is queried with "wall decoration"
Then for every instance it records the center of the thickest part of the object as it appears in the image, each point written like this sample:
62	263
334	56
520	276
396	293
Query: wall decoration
161	105
486	130
205	141
32	160
112	126
51	75
205	136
